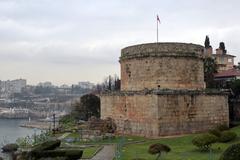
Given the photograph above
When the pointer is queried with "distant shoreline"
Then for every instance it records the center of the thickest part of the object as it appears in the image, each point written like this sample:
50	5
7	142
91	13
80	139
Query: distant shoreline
14	118
37	124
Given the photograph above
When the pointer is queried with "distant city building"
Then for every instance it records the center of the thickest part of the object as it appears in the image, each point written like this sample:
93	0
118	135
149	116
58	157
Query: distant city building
65	86
225	63
224	60
45	84
64	89
224	78
17	85
12	86
86	85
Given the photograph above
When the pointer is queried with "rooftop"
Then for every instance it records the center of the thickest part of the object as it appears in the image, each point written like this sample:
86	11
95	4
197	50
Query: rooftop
228	73
223	55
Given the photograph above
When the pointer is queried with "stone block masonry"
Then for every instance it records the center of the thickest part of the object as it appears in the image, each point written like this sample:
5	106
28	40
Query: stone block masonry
154	115
163	92
162	65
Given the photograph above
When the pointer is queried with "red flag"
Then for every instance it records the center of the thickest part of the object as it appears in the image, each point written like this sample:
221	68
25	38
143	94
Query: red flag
158	19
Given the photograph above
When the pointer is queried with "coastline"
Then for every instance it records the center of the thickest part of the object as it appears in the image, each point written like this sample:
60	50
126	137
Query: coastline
42	125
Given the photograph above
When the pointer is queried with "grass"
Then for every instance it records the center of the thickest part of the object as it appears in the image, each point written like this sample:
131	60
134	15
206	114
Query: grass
181	149
90	151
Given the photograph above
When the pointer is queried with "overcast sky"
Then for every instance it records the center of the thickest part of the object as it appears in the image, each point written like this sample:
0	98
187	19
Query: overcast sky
67	41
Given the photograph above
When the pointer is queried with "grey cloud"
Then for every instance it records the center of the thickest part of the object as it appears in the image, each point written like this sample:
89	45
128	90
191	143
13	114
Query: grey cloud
79	33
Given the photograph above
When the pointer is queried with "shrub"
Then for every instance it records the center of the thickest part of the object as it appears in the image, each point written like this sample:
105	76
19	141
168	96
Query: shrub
109	126
222	127
48	145
158	149
65	154
10	147
35	139
231	153
215	132
67	119
227	136
204	141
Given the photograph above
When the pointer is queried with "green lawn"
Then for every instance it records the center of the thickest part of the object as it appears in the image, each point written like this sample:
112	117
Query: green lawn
90	151
181	149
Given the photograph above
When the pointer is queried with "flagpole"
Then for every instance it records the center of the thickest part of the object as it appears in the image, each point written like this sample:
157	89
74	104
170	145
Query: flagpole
157	30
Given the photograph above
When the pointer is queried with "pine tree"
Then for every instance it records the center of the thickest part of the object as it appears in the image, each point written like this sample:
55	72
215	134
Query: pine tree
210	68
207	42
222	47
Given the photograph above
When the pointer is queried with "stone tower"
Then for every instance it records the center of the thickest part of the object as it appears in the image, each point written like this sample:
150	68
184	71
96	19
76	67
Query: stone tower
162	65
163	92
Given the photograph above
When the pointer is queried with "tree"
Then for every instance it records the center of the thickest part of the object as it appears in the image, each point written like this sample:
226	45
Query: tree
210	68
207	42
117	83
222	47
235	86
158	149
231	153
204	141
111	83
88	106
238	66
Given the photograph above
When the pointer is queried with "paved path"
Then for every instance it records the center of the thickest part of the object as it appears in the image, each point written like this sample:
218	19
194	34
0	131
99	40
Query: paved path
107	153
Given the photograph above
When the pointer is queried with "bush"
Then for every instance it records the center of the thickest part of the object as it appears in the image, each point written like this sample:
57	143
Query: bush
222	127
231	153
48	145
88	106
109	126
215	132
204	141
10	147
66	154
158	149
227	136
35	139
67	119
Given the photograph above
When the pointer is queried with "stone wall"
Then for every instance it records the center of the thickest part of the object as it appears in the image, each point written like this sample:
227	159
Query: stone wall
164	72
154	115
162	92
162	65
186	49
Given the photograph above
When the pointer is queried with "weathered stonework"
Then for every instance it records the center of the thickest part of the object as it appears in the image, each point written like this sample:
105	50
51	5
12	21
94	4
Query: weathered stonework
164	114
162	92
162	65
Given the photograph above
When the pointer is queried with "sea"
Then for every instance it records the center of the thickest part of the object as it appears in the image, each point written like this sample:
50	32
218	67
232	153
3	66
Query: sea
10	131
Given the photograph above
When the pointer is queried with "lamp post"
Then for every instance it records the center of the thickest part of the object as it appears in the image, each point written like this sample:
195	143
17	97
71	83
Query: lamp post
54	123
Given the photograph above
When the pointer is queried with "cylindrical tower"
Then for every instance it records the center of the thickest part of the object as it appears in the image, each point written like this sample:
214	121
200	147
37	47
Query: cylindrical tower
162	65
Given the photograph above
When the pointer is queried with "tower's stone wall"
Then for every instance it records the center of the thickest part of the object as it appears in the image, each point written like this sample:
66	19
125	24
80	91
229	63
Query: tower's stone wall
162	65
162	92
164	114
